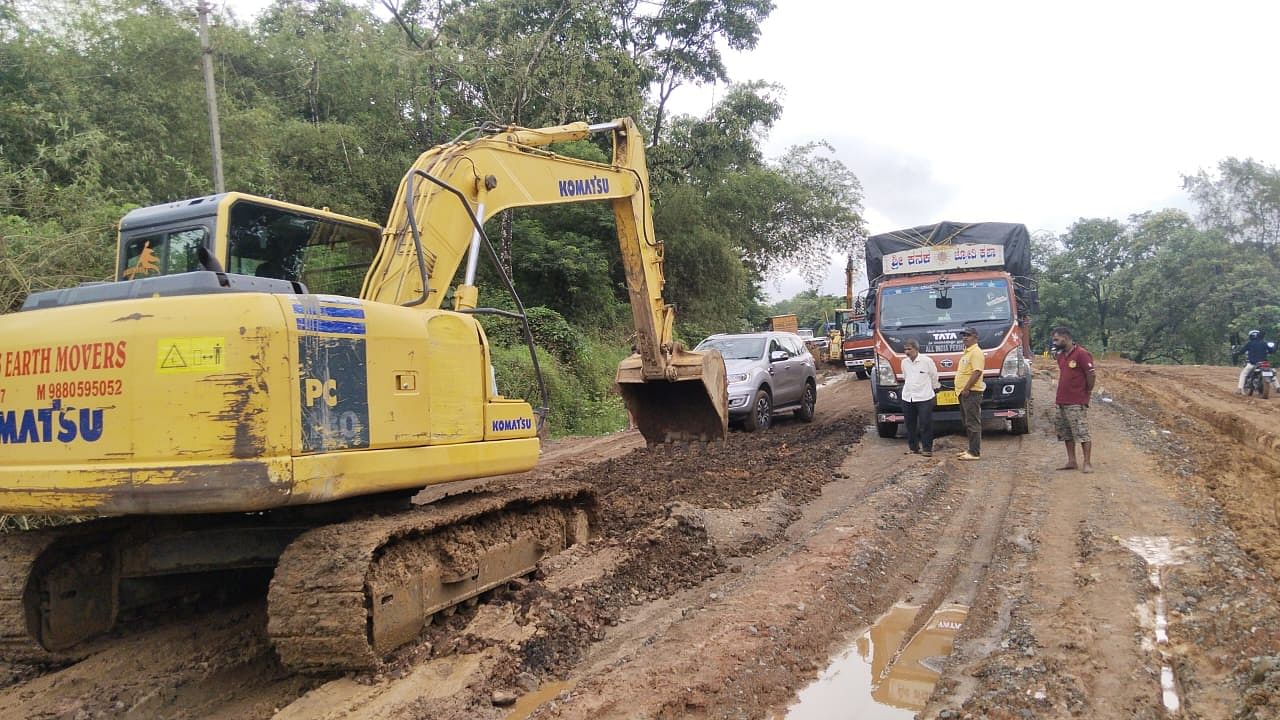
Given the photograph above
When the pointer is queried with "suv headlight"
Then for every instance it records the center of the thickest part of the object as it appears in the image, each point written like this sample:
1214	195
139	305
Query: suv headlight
1014	365
732	378
884	372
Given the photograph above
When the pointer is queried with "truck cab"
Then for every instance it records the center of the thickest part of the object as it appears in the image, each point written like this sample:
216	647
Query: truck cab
858	346
930	294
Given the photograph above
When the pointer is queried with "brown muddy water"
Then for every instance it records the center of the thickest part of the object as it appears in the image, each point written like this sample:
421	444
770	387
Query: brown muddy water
883	674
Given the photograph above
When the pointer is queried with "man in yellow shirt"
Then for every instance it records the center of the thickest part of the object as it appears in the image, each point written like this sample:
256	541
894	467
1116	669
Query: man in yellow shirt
969	387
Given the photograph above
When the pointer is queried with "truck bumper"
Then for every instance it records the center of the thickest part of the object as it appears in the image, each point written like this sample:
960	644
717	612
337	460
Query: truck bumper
1004	399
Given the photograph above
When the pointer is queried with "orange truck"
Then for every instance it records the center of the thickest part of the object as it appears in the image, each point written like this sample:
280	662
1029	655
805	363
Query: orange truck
857	345
929	282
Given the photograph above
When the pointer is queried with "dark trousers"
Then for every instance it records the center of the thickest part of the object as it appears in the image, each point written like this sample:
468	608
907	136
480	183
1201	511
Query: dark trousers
971	412
919	419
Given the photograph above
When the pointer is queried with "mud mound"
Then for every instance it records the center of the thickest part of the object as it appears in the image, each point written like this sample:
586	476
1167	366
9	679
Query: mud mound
794	458
656	505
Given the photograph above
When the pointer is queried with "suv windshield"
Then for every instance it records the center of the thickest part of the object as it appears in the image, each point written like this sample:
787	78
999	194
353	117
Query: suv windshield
735	348
971	301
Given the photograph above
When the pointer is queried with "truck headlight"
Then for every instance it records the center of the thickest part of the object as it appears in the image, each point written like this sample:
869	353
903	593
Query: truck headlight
1015	365
884	372
736	378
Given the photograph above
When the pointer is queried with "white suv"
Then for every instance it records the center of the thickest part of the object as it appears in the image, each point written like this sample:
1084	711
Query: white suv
769	373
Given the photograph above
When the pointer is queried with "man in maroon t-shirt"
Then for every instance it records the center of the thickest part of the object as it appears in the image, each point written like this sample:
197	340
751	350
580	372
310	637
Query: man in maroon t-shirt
1075	385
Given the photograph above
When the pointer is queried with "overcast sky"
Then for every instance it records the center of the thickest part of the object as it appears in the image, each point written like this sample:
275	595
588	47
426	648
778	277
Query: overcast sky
1013	111
1018	111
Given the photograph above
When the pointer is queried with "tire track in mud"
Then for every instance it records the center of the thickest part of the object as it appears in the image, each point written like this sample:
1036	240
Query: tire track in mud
1223	599
750	641
649	553
1234	458
1062	627
656	510
891	529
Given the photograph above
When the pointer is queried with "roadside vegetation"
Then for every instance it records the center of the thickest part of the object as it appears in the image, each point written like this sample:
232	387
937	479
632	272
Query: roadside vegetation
324	103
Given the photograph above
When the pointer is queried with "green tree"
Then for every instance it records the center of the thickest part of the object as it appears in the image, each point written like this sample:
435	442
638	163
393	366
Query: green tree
1243	201
1095	254
1170	314
810	307
677	42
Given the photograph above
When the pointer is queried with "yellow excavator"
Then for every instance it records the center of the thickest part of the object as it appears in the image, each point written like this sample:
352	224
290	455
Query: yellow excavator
266	387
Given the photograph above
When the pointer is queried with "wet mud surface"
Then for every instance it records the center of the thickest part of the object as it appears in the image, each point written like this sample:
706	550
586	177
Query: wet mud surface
731	581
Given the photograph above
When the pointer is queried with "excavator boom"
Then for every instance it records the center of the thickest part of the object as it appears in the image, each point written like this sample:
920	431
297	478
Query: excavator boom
671	393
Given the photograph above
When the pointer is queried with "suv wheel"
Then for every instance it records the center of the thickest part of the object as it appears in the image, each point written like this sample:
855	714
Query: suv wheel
808	402
887	429
761	416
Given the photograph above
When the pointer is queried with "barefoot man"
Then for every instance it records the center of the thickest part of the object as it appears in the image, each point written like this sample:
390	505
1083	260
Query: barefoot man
1075	385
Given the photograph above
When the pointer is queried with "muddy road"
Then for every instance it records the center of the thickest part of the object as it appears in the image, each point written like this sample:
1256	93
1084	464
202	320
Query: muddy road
815	571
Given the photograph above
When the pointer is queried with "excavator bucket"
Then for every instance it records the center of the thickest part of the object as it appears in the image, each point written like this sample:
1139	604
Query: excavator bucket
692	407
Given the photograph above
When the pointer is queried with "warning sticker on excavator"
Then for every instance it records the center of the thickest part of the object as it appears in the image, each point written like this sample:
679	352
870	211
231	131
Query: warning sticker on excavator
191	354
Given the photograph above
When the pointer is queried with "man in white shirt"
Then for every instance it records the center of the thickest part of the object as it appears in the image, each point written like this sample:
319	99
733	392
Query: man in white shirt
919	385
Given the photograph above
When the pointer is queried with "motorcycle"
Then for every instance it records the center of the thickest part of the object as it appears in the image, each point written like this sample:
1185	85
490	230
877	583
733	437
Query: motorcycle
1260	380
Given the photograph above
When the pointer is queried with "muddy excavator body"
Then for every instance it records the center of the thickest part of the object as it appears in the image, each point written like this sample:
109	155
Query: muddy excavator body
265	387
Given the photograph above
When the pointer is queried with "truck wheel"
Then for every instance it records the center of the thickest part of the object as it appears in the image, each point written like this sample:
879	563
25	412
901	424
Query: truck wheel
887	429
761	416
861	373
1022	425
808	402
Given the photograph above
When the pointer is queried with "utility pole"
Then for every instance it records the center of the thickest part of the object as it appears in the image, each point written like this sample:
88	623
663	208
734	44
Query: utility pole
211	95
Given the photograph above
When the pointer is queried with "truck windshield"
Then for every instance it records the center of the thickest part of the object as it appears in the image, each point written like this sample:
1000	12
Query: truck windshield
971	301
735	348
856	330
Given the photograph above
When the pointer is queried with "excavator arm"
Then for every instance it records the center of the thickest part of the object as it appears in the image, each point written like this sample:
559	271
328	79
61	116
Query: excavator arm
437	221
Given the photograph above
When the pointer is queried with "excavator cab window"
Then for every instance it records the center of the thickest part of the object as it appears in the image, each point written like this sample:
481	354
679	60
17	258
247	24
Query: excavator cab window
163	253
327	255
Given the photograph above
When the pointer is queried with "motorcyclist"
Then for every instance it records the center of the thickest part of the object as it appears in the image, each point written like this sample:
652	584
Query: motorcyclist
1255	351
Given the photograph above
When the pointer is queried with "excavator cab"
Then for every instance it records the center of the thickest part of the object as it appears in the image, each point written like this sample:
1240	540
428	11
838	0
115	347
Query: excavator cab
248	235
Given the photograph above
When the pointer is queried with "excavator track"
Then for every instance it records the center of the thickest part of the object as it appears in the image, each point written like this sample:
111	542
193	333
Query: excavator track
18	554
345	595
26	583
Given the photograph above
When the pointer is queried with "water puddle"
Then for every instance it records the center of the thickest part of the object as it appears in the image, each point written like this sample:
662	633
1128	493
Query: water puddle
1159	553
883	675
530	702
